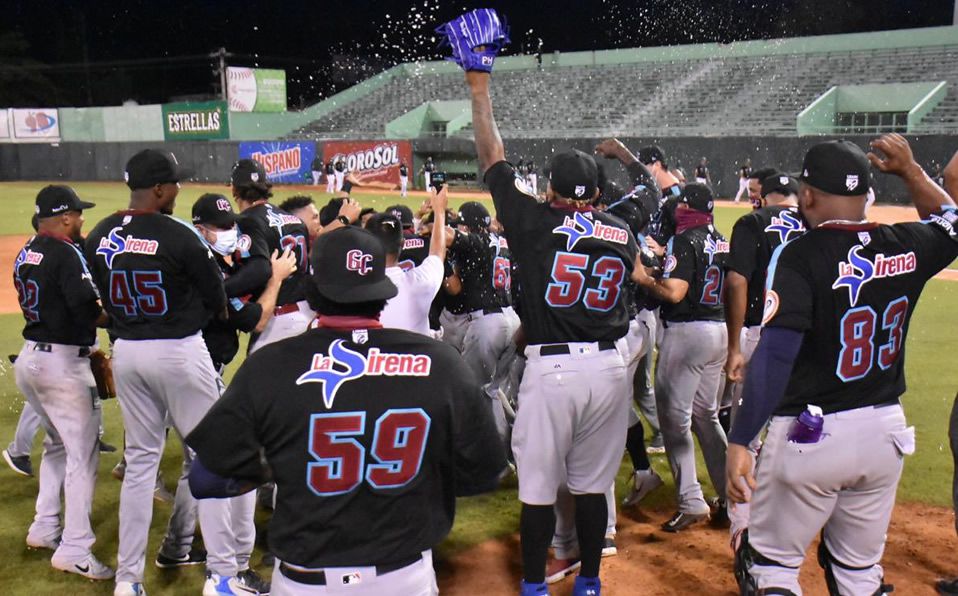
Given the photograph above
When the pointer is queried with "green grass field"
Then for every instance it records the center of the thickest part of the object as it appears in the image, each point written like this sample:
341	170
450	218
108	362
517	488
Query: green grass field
932	381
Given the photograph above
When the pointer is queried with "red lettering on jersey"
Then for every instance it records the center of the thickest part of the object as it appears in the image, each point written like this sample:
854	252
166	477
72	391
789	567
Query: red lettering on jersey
890	266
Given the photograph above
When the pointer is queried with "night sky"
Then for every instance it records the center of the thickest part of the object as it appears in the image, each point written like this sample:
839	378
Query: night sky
149	52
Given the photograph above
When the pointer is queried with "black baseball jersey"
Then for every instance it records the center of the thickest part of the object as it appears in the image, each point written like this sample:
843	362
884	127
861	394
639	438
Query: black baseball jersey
330	168
501	269
754	238
698	257
370	436
264	228
56	292
157	277
429	166
403	170
221	336
746	171
572	264
317	165
530	168
414	251
851	289
662	225
340	166
701	171
473	254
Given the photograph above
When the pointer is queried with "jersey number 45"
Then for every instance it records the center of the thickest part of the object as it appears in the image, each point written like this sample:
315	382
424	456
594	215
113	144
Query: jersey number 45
398	446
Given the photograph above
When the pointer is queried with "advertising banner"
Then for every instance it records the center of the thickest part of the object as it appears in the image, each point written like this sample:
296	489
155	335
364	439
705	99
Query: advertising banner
40	124
285	161
192	121
256	89
4	124
371	160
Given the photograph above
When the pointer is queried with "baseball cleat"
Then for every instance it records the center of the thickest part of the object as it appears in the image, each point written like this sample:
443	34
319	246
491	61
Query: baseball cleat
18	463
196	556
559	569
129	589
656	445
47	543
119	470
89	567
527	589
643	483
106	447
720	517
587	586
220	585
160	492
254	581
682	520
608	547
947	587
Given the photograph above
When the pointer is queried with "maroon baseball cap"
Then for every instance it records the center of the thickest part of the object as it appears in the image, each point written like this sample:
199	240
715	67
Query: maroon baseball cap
349	265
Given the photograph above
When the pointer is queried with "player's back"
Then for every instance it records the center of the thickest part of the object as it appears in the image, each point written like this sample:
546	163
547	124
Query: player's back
697	256
363	434
265	228
157	278
861	284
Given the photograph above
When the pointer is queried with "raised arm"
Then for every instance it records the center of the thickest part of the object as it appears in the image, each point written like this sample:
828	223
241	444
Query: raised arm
927	196
488	142
437	243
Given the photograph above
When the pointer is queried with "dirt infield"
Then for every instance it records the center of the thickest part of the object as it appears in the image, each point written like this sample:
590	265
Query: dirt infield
921	549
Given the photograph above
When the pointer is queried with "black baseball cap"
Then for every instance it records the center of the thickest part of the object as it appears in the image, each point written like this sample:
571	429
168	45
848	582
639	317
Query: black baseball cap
780	183
698	196
57	199
836	167
651	154
349	265
574	175
474	215
214	210
247	171
330	211
402	212
153	166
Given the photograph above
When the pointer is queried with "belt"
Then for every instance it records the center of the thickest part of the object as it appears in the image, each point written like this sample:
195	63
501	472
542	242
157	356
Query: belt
45	347
318	578
559	349
286	309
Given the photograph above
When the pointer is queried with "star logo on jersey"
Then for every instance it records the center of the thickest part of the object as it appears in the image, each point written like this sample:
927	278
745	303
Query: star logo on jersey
114	244
713	247
786	224
582	226
857	271
342	365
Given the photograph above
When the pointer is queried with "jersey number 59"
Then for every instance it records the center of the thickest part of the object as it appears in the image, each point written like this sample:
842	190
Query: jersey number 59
398	447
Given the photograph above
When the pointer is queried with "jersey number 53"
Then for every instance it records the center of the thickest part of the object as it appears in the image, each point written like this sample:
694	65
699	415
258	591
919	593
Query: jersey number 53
568	281
398	446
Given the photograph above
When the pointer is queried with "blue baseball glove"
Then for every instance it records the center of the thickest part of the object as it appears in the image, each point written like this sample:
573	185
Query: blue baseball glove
475	38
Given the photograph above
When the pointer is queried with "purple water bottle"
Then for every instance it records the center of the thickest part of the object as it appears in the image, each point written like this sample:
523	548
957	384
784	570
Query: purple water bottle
807	428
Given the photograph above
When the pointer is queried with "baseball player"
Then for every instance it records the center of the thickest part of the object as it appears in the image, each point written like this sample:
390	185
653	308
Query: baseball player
570	428
316	168
339	172
376	433
60	305
532	176
702	175
692	352
743	174
303	207
426	170
754	184
263	229
829	372
414	249
403	178
755	237
330	176
161	286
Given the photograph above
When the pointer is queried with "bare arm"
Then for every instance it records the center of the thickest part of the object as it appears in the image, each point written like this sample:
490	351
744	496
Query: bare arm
283	266
951	177
736	301
666	290
488	142
925	194
350	209
438	243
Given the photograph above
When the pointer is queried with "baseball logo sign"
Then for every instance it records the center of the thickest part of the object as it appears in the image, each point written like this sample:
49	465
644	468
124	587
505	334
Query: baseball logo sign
358	261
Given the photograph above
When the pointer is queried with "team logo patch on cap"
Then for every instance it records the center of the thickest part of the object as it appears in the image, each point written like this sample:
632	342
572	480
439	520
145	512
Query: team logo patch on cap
223	205
851	181
857	271
343	365
358	261
254	177
126	176
783	180
579	190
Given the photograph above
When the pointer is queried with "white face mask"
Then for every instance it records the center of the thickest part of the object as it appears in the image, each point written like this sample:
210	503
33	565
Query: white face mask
225	241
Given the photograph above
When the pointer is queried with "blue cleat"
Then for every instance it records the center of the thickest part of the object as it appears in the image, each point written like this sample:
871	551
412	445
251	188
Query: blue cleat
587	586
527	589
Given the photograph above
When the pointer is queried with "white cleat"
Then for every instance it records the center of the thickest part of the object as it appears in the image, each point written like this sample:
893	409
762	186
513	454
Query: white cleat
89	567
129	589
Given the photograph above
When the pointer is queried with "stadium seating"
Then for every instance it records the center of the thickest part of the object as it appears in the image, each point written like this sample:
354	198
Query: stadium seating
754	95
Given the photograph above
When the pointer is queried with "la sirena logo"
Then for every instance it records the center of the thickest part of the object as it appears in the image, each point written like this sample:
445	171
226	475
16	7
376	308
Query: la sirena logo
581	226
114	244
343	365
857	271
